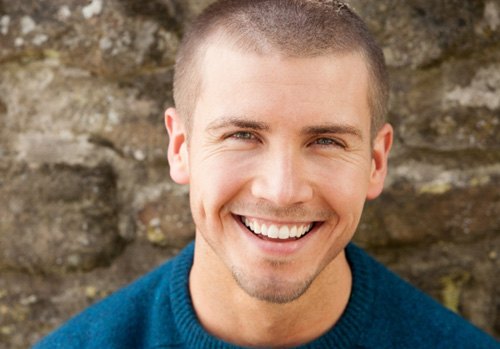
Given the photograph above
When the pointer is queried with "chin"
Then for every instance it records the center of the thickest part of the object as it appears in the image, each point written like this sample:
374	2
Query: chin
274	289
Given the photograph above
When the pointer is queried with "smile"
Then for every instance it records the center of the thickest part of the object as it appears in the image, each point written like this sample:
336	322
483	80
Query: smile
277	231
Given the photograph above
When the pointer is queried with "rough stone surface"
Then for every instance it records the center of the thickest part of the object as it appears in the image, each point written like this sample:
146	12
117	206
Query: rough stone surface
58	218
459	205
86	201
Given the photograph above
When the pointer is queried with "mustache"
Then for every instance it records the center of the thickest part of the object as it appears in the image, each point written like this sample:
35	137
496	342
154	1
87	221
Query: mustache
293	212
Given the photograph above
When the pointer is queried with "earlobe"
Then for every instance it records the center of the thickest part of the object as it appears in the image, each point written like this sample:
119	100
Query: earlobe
178	156
380	153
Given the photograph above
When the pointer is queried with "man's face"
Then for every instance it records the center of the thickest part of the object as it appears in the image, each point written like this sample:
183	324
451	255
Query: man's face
280	148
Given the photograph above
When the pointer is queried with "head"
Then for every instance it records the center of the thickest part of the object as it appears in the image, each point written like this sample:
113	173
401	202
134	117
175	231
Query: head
293	28
279	132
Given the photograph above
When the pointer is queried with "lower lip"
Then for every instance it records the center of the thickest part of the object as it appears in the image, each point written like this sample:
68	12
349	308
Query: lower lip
276	246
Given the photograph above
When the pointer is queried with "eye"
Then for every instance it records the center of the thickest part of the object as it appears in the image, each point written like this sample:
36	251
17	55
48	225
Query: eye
327	142
243	135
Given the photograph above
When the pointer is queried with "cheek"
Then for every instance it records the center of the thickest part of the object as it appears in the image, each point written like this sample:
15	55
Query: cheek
214	184
345	187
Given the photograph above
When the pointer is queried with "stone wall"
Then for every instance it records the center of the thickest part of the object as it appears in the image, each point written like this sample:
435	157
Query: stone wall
86	200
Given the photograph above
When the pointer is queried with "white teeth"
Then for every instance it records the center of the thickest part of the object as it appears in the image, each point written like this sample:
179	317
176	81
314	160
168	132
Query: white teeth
256	228
263	230
301	231
284	232
273	231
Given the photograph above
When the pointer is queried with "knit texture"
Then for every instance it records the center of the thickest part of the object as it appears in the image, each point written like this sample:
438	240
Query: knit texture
156	312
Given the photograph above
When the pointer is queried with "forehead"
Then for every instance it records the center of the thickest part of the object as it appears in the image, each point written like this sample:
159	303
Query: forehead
322	86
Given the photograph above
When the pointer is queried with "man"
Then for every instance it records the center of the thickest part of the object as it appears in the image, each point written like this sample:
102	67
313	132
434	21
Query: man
279	131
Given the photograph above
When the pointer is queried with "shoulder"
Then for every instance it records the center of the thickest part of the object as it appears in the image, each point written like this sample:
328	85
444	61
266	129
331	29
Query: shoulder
122	320
404	317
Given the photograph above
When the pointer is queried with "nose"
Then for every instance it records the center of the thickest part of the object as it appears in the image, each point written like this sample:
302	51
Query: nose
282	179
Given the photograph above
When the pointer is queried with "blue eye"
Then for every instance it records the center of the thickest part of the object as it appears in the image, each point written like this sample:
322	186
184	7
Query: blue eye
329	142
244	135
325	141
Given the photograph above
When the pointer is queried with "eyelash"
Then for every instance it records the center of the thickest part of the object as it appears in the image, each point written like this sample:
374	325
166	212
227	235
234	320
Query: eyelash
329	142
242	135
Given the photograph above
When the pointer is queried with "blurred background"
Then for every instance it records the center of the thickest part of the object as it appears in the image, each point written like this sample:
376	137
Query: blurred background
86	202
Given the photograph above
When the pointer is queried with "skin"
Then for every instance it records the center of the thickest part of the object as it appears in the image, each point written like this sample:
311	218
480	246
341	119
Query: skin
283	141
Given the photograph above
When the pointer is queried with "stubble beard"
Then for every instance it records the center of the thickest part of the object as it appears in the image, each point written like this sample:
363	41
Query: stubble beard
272	290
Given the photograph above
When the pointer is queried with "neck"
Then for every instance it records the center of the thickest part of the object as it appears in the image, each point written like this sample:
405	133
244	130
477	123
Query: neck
228	313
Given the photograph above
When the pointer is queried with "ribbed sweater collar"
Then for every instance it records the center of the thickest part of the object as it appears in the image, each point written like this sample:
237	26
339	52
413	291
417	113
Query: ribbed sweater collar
343	335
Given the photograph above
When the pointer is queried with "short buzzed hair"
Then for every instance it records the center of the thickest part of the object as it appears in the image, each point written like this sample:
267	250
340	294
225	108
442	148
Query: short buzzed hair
294	28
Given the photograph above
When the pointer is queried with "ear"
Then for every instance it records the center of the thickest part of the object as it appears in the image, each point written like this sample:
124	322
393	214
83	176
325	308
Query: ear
177	147
380	153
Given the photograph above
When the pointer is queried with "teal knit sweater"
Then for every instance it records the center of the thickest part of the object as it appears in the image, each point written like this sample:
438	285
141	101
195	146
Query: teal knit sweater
156	312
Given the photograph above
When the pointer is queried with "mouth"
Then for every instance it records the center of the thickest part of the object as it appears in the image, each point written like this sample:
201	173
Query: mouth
277	232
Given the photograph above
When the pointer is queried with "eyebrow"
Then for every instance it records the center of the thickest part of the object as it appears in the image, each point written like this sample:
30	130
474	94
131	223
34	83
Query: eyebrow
237	122
333	129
